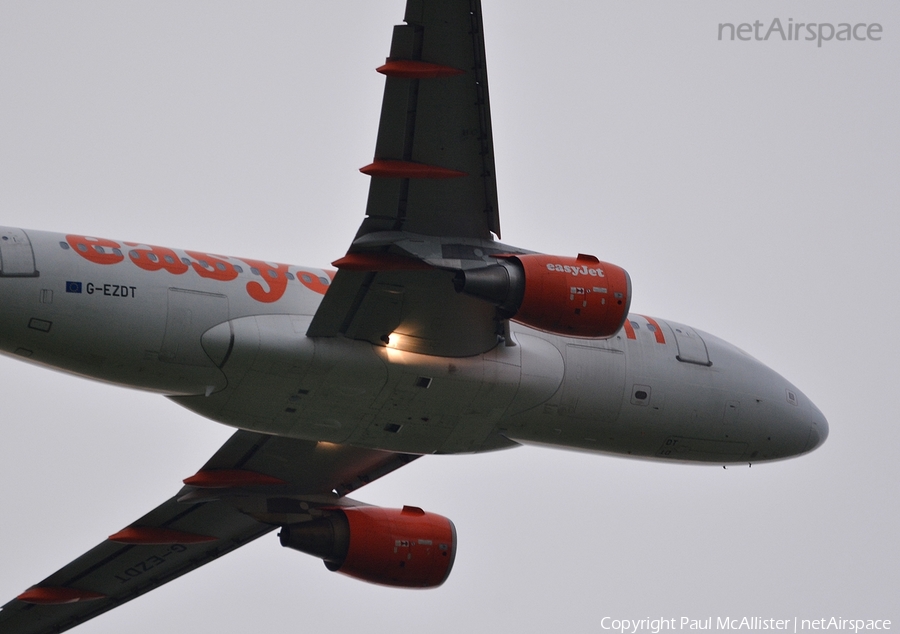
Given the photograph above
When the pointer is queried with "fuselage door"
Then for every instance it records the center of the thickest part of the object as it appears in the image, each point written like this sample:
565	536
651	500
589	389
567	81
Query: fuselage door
691	347
16	254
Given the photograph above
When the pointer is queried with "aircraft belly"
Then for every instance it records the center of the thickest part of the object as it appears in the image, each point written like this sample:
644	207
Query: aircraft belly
339	390
442	405
282	382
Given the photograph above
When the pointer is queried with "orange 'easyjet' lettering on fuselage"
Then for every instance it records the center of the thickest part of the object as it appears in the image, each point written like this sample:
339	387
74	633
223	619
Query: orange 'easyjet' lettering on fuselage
94	249
652	326
151	258
215	267
274	277
314	282
212	267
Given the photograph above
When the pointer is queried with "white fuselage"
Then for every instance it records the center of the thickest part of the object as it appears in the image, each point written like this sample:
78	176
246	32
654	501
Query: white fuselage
226	338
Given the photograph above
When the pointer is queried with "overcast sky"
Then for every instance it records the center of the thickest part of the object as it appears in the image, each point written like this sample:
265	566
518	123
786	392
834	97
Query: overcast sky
750	189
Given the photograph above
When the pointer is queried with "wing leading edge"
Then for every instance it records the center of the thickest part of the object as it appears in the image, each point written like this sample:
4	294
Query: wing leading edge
251	486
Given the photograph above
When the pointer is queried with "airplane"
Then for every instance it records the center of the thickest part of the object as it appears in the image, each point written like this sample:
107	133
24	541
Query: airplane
432	337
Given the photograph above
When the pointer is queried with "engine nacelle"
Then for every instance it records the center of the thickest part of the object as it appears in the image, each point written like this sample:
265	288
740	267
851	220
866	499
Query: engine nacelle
393	547
579	297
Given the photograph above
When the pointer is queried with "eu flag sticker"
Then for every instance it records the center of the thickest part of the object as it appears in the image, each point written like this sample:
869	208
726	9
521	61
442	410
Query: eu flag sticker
73	287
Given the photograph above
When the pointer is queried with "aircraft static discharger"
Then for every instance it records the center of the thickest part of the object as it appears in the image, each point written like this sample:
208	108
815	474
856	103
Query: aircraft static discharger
431	337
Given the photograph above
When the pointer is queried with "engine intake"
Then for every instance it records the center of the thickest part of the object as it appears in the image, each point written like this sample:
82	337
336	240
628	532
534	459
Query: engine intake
393	547
579	297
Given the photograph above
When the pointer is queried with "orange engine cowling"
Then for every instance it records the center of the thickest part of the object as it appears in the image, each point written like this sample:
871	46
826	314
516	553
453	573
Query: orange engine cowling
579	297
393	547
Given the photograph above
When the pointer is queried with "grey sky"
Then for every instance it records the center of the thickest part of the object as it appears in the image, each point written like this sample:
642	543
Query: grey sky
749	188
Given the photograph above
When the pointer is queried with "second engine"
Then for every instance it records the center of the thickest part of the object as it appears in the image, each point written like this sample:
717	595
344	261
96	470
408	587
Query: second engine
394	547
580	297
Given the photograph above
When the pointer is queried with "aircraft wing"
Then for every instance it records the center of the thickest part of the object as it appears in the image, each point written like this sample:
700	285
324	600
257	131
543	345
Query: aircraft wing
250	486
433	172
432	206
